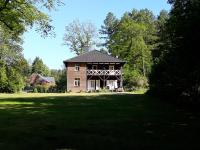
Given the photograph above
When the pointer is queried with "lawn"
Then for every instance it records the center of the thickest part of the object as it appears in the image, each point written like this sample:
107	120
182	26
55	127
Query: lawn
95	122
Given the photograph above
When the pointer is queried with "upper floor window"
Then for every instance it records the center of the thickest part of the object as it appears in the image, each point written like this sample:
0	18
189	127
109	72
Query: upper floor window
94	67
77	82
111	67
77	67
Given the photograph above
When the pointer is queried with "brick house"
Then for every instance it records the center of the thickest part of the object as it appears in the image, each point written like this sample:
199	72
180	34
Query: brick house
93	71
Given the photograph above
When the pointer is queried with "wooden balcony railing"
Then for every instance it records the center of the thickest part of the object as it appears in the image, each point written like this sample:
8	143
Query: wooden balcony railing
104	72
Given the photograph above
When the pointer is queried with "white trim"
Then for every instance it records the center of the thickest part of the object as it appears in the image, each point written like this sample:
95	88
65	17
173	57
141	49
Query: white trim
77	82
77	67
111	84
93	85
103	72
111	67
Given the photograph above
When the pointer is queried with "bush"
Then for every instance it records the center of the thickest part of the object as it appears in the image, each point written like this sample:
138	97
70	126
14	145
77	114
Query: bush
35	90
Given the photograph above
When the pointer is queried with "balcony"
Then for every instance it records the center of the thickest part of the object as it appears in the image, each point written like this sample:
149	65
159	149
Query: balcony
104	72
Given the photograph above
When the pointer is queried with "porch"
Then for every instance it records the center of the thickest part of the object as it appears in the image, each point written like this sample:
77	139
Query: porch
97	82
103	72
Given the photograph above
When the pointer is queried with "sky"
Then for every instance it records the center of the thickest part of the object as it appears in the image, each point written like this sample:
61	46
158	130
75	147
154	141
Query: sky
52	51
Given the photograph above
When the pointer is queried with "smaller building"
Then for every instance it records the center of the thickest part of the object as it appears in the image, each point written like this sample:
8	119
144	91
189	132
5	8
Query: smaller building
93	71
37	79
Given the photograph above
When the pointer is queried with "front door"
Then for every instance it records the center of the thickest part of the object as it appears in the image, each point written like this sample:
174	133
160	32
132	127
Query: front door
112	84
93	85
97	84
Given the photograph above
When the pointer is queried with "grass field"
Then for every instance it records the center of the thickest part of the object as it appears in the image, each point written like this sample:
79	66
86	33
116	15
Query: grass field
95	122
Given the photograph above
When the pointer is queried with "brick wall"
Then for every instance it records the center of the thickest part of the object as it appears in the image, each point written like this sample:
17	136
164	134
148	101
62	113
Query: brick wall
72	74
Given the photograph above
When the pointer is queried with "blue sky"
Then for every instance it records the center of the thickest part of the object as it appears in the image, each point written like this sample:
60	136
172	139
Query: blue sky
51	49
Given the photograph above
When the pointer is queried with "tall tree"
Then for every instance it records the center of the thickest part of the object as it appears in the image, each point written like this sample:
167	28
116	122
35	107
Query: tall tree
3	77
161	34
80	37
133	39
39	67
108	28
177	73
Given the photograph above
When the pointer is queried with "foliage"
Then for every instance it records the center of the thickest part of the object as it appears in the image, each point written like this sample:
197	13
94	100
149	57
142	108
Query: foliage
177	74
15	18
39	67
61	81
110	24
10	79
13	65
132	38
15	81
17	15
3	77
80	37
161	34
133	80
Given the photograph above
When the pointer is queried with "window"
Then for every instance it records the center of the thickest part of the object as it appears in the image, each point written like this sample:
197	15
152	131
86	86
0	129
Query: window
92	84
77	67
111	67
77	82
94	67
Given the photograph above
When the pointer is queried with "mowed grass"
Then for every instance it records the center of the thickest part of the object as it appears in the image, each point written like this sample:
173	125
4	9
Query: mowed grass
95	122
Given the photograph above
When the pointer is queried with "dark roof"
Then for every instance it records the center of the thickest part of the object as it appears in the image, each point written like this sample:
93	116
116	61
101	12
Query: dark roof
95	56
48	79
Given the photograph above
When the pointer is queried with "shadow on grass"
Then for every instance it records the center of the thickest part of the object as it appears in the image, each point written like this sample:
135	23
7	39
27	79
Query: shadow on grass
124	121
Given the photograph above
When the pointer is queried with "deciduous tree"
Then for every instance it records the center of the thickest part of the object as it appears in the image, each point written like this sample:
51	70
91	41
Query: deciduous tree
80	37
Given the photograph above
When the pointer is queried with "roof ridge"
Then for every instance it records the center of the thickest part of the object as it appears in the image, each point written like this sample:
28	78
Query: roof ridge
77	56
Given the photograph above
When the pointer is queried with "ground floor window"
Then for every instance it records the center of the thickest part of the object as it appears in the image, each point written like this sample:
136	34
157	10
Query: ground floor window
77	82
92	84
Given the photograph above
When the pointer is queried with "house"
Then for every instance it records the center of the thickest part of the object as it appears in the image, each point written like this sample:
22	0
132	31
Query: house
37	79
93	71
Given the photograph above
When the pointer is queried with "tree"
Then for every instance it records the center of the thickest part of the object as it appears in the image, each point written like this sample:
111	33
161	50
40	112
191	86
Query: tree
161	34
80	37
133	40
110	24
15	81
17	15
39	67
3	77
15	18
61	82
177	74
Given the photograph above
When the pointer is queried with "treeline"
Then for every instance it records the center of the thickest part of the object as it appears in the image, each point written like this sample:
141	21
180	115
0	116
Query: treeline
16	17
15	76
176	71
161	52
134	38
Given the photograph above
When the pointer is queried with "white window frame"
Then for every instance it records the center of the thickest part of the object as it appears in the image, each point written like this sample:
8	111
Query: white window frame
77	67
77	82
111	67
92	84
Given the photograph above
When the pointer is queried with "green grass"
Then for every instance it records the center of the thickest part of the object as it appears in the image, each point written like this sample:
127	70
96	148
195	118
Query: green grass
95	122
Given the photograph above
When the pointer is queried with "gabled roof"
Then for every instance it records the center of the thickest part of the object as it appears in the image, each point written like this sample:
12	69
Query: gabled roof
37	77
47	79
95	56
